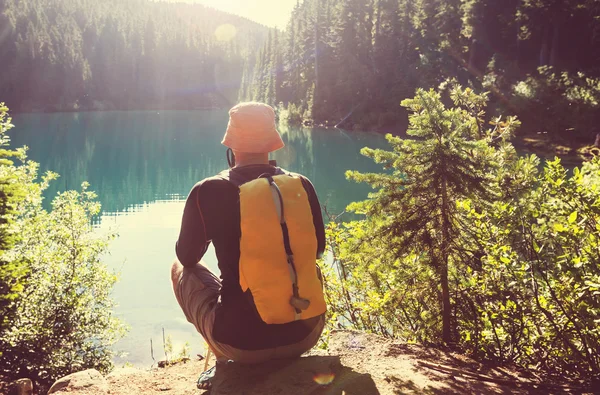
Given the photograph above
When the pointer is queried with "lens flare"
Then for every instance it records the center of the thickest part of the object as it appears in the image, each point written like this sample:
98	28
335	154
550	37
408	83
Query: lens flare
225	32
324	378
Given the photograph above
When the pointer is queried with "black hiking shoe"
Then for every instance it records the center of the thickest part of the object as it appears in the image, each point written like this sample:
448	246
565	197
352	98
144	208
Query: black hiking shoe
205	380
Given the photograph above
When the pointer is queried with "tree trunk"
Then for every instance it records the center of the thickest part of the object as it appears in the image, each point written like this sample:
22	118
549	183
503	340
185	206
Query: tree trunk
443	266
545	47
316	49
446	312
555	45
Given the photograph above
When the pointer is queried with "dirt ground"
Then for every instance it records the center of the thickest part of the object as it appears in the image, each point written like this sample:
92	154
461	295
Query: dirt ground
355	364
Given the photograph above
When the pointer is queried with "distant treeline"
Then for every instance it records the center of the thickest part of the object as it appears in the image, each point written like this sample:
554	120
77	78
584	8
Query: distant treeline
353	61
120	54
339	62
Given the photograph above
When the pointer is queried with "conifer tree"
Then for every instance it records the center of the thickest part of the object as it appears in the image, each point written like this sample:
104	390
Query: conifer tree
278	72
364	57
447	159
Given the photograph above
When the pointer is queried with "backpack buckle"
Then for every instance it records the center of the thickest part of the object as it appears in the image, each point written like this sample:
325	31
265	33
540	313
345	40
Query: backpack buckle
299	303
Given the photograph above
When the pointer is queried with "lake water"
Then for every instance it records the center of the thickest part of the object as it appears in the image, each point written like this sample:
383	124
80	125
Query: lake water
142	165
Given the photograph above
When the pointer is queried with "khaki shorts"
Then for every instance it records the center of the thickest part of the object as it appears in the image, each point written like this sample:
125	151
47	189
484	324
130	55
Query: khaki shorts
197	292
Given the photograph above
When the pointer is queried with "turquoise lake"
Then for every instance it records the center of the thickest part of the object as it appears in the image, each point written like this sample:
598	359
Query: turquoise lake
142	165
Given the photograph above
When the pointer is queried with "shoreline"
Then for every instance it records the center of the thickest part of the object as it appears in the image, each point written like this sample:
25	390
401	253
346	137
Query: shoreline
70	111
570	153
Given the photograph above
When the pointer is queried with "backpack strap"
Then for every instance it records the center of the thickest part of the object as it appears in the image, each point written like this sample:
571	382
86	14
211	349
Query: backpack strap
238	179
296	301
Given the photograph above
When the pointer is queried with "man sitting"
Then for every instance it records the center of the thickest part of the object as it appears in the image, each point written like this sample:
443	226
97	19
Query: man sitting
267	230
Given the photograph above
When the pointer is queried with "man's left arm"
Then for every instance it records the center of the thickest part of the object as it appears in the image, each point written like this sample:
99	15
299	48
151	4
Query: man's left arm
193	240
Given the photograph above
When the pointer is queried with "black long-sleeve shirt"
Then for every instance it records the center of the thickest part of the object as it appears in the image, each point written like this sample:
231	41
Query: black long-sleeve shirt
212	214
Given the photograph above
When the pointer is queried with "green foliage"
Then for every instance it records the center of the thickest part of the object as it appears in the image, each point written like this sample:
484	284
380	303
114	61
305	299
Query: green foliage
448	159
68	55
293	114
12	271
170	358
356	60
61	319
168	346
537	290
465	242
574	115
369	288
184	353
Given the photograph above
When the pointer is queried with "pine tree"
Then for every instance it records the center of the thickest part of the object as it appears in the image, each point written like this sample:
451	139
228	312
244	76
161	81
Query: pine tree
414	210
269	88
278	72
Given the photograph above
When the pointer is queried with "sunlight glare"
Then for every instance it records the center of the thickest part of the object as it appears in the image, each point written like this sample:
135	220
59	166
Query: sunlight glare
272	13
226	32
324	378
4	32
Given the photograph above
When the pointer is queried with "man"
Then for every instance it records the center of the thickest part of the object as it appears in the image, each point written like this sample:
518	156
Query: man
267	229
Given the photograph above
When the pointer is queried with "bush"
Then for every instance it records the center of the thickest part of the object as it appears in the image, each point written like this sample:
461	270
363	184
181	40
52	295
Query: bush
563	105
62	319
12	271
537	292
464	243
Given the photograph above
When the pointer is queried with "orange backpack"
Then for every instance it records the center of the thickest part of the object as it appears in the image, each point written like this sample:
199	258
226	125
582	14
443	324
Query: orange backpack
278	250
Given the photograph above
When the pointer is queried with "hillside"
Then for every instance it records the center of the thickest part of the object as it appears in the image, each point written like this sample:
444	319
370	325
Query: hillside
350	63
63	55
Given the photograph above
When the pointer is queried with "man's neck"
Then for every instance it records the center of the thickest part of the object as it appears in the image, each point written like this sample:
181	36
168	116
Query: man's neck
246	159
251	162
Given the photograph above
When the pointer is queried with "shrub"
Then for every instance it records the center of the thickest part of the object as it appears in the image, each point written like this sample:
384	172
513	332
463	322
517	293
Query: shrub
62	319
561	104
464	243
12	271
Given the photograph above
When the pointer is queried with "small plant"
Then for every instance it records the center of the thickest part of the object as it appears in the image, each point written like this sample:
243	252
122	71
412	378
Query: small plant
167	346
184	354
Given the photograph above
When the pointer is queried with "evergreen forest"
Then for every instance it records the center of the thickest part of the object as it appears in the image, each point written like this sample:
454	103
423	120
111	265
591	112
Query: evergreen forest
351	62
65	55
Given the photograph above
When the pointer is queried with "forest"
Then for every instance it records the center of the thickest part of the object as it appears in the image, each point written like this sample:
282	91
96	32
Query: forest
66	55
347	63
351	62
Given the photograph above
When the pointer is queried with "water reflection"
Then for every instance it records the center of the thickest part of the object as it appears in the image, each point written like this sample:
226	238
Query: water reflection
142	254
128	157
134	158
142	165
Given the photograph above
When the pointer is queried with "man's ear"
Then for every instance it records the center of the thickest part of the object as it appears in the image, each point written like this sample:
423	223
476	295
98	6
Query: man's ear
230	158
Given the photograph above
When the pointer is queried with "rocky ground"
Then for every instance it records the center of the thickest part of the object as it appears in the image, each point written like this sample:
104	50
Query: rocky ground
355	364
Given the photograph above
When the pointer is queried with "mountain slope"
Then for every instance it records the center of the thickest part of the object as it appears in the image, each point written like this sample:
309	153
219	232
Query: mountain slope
120	54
